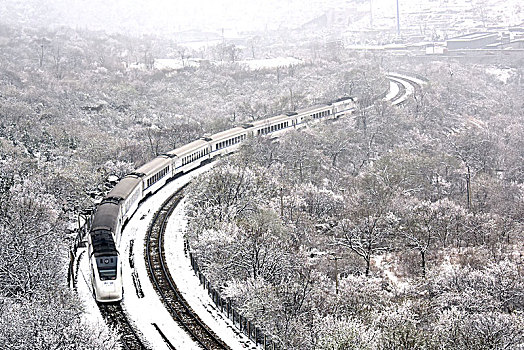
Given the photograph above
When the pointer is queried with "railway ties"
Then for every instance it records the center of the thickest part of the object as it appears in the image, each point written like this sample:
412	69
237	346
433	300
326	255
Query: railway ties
115	317
164	284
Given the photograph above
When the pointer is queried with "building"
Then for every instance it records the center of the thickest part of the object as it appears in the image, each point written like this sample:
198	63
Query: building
472	41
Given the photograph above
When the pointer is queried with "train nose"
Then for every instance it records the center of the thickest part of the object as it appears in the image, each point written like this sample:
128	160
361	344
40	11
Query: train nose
109	290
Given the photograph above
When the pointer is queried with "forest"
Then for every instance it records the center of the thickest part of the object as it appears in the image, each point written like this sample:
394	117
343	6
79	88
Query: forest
398	228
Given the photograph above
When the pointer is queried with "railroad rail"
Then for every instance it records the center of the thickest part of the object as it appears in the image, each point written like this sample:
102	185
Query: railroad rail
164	284
115	316
406	85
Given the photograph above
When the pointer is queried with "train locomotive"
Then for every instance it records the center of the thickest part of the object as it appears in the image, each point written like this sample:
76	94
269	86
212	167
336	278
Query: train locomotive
122	201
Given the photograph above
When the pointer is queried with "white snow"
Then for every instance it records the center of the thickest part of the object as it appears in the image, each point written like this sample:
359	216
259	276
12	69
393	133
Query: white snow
403	76
200	45
271	62
393	91
149	309
502	74
171	63
197	297
383	264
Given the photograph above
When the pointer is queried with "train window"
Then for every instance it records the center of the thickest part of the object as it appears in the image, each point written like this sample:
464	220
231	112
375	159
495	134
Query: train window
107	267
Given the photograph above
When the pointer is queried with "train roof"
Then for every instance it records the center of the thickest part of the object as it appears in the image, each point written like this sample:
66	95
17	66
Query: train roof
314	108
345	98
154	165
272	120
124	187
190	147
106	217
227	133
103	243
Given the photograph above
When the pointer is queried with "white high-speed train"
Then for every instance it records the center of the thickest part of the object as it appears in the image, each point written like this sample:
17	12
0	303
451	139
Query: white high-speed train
123	200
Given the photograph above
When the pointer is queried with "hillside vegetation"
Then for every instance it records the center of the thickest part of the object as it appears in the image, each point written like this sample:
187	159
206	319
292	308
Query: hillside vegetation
360	233
77	106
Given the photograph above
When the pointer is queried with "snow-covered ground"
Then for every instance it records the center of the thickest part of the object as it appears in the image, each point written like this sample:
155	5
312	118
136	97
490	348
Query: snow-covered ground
502	74
271	62
172	63
175	64
197	297
149	309
393	91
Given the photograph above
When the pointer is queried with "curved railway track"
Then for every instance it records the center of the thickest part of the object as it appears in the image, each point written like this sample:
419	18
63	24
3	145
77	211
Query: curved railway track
160	276
115	317
406	85
164	284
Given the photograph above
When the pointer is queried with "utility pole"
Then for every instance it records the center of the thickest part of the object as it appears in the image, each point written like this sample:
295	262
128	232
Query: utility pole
282	202
468	188
371	13
398	21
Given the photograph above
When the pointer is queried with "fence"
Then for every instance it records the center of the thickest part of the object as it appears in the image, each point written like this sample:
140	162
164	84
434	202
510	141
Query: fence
246	326
77	243
243	324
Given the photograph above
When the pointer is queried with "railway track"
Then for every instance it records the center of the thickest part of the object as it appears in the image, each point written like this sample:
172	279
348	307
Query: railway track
164	284
407	86
115	317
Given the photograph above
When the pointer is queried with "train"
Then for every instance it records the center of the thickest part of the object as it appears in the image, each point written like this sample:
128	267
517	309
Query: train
119	205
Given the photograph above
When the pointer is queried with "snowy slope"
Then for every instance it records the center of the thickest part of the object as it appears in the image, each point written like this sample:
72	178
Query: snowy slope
149	309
